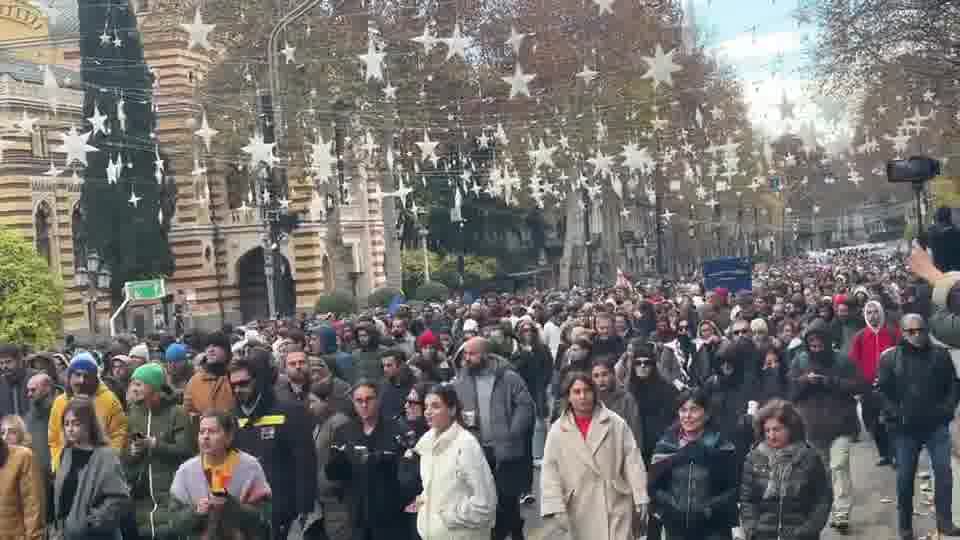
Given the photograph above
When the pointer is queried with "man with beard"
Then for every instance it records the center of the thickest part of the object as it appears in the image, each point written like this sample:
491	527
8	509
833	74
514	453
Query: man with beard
397	381
678	361
209	389
607	343
402	338
279	435
118	377
294	384
845	327
865	351
822	385
178	369
323	378
498	409
919	385
40	392
13	381
83	380
366	355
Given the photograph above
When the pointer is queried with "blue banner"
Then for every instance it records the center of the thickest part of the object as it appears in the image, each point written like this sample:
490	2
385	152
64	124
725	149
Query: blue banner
732	273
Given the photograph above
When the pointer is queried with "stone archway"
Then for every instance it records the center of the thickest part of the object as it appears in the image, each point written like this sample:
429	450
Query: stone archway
252	286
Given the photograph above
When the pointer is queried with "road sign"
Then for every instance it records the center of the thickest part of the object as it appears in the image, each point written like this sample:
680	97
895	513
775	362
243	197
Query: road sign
151	289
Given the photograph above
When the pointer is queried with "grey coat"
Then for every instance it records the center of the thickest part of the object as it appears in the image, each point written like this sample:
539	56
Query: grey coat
102	503
511	408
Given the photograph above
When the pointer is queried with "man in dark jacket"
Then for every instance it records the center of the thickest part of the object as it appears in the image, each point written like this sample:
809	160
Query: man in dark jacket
13	381
397	381
367	459
294	384
366	354
498	408
279	435
919	387
822	386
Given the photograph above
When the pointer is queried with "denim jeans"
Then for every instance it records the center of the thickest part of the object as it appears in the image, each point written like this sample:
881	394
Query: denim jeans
907	447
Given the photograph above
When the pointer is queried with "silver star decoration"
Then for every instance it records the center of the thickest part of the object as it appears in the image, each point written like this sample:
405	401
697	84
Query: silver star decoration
199	33
666	216
587	75
519	82
105	37
882	110
206	133
402	192
928	96
457	44
716	113
75	146
98	120
427	148
564	142
636	158
117	42
789	160
660	66
515	41
624	213
260	152
373	61
288	51
284	203
601	163
389	92
829	180
427	39
899	141
605	6
135	199
483	140
542	156
122	114
369	145
114	168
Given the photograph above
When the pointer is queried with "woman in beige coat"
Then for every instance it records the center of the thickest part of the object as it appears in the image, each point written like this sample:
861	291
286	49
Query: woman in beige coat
593	481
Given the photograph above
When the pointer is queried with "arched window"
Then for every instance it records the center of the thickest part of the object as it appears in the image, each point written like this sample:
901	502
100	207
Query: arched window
79	239
41	231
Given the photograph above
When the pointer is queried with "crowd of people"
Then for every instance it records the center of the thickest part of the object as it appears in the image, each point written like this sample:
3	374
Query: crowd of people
661	410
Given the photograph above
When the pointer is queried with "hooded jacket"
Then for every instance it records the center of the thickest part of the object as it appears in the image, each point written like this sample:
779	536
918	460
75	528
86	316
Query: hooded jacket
366	360
150	474
279	435
870	343
109	412
207	391
826	404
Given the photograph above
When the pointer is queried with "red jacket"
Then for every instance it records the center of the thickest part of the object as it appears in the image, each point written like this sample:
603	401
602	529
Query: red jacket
867	346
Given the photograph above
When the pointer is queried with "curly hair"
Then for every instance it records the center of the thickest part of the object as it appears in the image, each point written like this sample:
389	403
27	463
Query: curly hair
786	413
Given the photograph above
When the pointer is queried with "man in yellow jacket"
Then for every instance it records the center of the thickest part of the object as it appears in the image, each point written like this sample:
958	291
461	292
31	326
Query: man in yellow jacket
83	379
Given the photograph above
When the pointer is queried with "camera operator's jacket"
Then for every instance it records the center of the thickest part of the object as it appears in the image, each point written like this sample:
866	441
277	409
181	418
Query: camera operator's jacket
150	475
945	320
919	387
280	435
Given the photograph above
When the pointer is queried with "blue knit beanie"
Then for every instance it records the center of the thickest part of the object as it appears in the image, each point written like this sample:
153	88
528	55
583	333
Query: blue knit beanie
84	362
175	353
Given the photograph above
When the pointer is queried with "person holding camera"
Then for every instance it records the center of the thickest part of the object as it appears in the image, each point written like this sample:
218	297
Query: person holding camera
368	458
158	444
920	390
223	493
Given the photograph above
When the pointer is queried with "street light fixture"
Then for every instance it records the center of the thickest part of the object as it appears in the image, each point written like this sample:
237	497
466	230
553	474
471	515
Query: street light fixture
95	276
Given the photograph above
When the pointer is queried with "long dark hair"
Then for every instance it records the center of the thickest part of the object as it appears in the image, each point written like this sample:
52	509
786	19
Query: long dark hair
83	410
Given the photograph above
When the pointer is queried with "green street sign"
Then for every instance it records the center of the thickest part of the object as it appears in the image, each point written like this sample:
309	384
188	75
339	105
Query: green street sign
151	289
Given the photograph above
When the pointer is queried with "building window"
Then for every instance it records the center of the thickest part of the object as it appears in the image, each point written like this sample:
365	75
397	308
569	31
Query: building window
41	225
38	143
79	239
141	6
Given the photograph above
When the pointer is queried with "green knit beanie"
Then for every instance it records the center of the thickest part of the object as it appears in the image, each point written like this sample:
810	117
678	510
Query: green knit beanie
151	374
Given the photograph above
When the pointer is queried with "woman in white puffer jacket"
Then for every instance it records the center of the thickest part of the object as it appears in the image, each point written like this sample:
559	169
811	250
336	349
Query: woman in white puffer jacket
459	498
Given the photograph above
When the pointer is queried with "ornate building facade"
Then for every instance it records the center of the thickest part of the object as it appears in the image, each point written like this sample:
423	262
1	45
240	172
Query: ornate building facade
217	238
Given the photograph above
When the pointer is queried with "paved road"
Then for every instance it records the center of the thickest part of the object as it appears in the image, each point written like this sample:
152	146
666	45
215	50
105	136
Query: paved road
874	515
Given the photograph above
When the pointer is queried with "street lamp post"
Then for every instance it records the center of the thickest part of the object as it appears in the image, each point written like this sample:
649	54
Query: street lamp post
95	276
424	231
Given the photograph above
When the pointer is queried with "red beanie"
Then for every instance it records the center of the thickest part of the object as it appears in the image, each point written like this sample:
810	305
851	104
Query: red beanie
426	339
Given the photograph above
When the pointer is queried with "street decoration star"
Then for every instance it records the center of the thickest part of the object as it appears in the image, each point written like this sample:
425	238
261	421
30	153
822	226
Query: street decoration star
199	33
75	146
206	133
661	67
519	82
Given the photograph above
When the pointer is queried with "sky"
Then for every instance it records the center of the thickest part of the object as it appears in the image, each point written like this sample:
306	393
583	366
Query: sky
768	48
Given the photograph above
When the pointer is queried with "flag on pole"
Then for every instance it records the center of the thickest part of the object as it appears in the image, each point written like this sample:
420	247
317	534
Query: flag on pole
622	280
